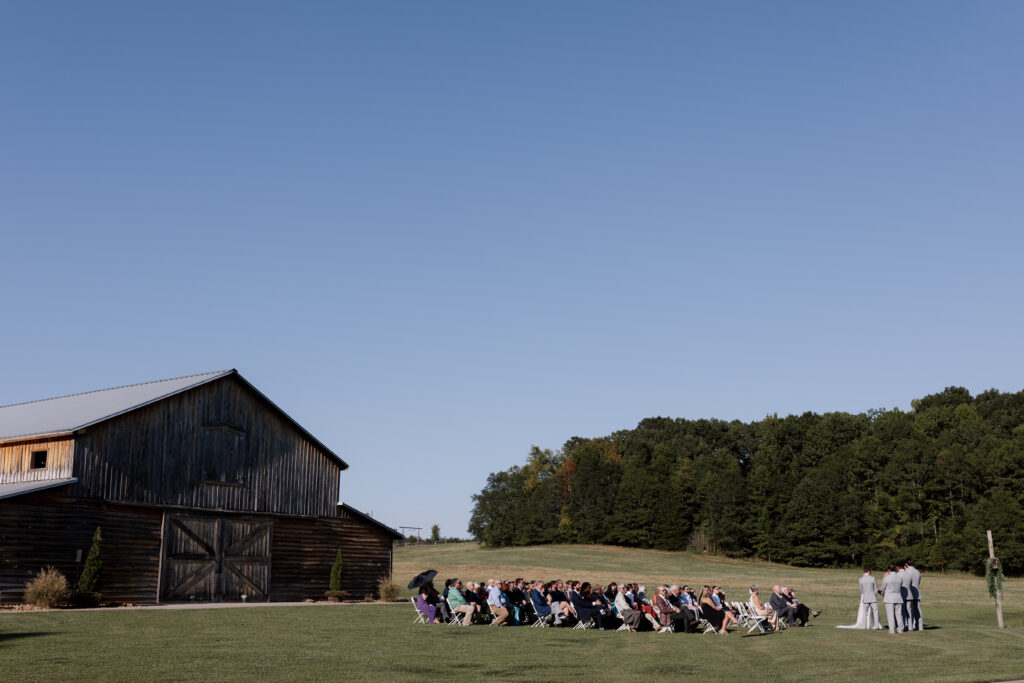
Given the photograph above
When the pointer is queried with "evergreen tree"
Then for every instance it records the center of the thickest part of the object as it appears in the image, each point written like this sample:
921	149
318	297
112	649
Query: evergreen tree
335	583
89	581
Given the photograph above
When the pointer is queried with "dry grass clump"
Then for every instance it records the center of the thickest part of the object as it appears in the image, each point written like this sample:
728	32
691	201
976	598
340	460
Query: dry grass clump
47	589
387	589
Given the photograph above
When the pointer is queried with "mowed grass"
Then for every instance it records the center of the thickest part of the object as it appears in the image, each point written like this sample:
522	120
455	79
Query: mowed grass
358	642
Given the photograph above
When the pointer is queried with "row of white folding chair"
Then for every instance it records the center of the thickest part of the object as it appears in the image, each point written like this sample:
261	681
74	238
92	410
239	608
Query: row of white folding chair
749	616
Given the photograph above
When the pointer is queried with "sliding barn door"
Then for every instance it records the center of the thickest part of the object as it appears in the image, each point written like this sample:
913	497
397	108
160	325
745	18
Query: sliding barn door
216	558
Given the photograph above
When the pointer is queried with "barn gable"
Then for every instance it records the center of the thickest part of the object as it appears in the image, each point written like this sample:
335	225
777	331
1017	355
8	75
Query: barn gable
218	446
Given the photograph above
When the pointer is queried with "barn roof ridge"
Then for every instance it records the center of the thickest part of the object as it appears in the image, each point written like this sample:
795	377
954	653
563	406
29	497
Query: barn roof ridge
124	386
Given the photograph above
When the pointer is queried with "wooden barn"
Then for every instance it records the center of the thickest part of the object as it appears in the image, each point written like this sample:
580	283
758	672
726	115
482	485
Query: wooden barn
204	488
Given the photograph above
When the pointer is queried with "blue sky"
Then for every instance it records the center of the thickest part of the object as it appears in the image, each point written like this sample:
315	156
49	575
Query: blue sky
438	233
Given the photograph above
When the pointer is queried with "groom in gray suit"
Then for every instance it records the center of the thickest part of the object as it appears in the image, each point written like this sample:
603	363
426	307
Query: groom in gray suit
892	596
869	600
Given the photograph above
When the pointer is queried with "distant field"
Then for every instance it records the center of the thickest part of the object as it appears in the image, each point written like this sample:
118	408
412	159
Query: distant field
380	642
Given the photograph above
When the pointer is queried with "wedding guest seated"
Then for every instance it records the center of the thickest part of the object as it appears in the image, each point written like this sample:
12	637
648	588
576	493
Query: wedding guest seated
643	604
803	612
459	604
690	617
517	598
669	616
558	599
473	598
762	610
689	599
612	592
631	617
586	606
716	614
426	601
513	609
541	605
782	605
498	602
718	597
637	599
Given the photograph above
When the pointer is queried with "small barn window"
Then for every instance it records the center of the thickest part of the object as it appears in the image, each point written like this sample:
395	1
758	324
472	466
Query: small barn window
224	453
38	460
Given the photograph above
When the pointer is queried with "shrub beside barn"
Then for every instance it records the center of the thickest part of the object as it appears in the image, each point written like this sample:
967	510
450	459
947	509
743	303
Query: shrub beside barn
204	488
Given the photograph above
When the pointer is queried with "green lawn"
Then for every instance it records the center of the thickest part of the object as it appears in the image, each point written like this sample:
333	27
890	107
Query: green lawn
380	641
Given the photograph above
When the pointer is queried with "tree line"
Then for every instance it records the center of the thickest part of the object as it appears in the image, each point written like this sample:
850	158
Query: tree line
828	490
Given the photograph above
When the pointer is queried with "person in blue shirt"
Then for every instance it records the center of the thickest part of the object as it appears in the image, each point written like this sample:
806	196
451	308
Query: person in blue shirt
498	602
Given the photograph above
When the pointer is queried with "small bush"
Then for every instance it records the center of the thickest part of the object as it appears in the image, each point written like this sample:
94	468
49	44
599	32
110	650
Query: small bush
335	580
339	595
47	589
387	589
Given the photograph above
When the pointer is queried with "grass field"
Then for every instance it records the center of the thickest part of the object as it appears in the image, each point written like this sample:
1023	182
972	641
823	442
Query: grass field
380	642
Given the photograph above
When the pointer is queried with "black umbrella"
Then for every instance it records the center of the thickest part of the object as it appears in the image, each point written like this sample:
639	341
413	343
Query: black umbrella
423	578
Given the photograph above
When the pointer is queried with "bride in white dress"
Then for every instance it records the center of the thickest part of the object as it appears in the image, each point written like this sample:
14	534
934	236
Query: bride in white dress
864	616
867	608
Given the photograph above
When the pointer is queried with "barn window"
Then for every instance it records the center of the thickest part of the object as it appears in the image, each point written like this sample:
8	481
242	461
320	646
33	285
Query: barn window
224	454
39	460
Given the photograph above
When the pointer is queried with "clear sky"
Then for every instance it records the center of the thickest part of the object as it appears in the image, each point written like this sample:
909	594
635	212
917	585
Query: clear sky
436	233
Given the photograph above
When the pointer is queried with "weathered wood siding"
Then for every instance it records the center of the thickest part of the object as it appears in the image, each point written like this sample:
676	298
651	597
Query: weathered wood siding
16	460
219	446
46	529
304	550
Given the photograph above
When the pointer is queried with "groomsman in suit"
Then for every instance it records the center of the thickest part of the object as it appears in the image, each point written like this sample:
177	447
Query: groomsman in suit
892	586
914	608
904	593
869	600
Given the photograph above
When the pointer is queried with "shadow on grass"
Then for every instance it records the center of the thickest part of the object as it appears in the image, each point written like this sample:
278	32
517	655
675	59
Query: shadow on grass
4	637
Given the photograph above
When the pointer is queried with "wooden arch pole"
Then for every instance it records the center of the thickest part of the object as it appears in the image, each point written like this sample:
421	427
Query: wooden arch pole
999	597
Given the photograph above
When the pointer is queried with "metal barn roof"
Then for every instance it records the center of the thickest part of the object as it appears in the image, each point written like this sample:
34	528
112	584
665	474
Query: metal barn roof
18	488
68	414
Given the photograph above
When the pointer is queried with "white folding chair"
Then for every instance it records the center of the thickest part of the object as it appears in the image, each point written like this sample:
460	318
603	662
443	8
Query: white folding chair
751	618
494	617
541	622
421	618
581	624
456	618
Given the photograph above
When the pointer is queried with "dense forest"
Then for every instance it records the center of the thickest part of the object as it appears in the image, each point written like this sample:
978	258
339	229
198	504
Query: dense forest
813	490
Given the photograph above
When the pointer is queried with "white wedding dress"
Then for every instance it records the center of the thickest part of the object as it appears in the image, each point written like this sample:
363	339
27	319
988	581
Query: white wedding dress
864	615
